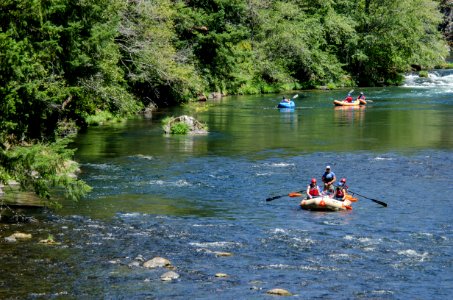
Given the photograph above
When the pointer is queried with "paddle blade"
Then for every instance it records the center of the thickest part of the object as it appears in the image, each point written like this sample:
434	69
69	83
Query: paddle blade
295	194
295	96
379	202
350	198
273	198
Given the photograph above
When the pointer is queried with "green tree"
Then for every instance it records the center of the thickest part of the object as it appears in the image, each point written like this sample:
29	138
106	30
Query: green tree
58	61
392	36
155	70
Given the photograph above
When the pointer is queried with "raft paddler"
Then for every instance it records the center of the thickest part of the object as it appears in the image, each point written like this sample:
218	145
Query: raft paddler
341	190
328	178
313	189
348	98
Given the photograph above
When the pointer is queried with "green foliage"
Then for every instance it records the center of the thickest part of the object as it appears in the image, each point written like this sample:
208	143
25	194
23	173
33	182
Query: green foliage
67	63
102	117
155	68
392	35
43	168
423	73
179	128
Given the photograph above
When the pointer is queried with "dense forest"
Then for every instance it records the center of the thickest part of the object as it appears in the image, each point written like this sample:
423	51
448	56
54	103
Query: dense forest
65	62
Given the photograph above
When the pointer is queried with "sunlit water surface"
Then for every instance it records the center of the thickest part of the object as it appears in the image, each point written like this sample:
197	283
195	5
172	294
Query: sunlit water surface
188	198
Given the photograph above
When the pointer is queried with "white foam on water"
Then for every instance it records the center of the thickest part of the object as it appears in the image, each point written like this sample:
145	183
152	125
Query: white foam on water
275	165
130	215
382	292
264	174
435	79
414	254
179	183
304	241
95	226
368	242
369	249
339	256
215	244
382	158
278	230
147	157
281	267
101	166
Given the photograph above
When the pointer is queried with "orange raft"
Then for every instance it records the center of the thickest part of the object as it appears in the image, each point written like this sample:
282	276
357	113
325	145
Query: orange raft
354	103
325	203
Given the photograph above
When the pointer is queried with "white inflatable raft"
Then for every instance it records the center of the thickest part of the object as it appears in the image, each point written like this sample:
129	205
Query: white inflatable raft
325	203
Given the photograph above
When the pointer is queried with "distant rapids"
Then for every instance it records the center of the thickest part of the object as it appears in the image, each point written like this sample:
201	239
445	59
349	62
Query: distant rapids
436	78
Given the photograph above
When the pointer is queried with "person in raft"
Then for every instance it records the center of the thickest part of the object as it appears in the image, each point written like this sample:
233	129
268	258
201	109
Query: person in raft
348	98
341	190
285	99
313	189
328	178
361	96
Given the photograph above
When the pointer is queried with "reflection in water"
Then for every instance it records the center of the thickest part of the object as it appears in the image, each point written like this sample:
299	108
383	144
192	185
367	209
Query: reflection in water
187	198
289	116
353	115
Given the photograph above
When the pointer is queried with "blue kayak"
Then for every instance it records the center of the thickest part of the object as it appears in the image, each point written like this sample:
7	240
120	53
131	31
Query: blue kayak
285	104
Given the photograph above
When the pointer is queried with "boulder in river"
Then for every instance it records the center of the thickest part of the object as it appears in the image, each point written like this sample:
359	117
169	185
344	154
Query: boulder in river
157	262
10	239
279	292
183	125
21	236
169	276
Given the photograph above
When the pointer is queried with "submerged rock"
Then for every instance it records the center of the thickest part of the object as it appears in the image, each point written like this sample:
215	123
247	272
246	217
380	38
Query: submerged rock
279	292
10	239
134	264
49	242
169	276
21	236
219	253
193	126
157	262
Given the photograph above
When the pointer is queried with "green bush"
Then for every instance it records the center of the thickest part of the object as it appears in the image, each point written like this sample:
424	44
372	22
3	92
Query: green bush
423	74
102	117
179	128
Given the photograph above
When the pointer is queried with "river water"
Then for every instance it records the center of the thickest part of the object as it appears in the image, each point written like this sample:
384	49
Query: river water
191	198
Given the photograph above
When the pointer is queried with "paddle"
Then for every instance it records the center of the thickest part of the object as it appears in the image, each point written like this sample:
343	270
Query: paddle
295	96
276	197
374	200
354	193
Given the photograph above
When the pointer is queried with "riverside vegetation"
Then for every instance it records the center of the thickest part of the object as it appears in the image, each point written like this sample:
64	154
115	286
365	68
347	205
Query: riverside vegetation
67	64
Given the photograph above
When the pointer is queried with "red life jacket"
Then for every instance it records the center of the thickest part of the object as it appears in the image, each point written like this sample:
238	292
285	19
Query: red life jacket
349	99
339	191
314	190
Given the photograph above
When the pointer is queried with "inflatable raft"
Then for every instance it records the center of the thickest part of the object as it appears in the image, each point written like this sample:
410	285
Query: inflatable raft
325	203
344	103
284	104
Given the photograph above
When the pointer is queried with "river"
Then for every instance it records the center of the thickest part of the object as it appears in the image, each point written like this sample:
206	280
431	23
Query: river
191	198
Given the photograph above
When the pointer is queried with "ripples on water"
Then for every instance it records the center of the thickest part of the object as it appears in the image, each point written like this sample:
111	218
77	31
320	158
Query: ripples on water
193	200
399	252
